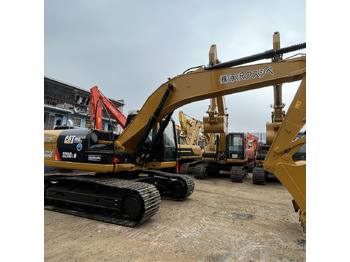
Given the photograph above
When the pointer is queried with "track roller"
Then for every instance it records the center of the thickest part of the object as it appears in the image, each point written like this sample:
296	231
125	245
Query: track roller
178	189
133	206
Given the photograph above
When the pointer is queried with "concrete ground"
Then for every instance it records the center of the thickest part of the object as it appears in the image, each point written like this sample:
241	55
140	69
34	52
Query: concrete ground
220	221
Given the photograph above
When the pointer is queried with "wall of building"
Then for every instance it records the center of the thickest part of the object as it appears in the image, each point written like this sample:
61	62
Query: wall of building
67	105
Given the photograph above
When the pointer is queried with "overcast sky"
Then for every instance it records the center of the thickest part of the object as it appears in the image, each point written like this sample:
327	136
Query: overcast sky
129	48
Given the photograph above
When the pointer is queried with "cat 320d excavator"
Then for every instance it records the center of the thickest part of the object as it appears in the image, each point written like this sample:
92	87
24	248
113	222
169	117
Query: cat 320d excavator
132	169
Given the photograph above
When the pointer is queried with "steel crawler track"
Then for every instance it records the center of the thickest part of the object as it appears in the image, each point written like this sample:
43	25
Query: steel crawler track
188	181
148	193
239	173
259	176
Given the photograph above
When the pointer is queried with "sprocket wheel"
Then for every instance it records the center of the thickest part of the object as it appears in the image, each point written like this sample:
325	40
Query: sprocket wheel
133	206
178	189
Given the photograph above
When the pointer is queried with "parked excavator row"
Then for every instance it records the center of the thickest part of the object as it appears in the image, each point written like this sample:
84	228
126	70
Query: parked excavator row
233	153
133	169
229	153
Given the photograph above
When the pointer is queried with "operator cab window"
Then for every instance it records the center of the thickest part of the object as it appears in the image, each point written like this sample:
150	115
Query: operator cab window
235	143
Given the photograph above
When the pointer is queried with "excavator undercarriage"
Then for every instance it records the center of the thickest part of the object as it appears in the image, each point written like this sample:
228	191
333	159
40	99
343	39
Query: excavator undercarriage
128	200
106	199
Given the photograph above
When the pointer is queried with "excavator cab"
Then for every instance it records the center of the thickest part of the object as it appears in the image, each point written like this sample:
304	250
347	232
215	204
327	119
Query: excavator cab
160	145
169	143
164	148
237	156
236	146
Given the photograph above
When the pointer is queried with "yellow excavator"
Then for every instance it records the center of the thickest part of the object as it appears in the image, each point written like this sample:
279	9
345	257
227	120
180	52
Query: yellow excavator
277	116
134	169
214	128
189	151
228	154
209	142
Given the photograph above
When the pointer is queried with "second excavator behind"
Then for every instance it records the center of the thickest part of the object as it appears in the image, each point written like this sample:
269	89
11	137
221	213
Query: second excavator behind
189	150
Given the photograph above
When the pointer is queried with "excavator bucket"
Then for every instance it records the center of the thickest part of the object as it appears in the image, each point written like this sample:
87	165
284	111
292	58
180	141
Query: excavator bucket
293	177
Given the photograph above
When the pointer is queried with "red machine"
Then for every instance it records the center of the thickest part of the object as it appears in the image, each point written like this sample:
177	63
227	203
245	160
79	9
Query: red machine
251	144
97	98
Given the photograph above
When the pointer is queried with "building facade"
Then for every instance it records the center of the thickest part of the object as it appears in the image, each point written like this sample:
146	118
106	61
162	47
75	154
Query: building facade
67	105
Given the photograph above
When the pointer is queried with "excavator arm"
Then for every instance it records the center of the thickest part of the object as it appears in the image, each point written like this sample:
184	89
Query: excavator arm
190	129
97	101
217	121
279	159
278	113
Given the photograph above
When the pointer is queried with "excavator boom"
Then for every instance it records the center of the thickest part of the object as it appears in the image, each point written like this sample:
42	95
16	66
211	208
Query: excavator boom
96	109
203	84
